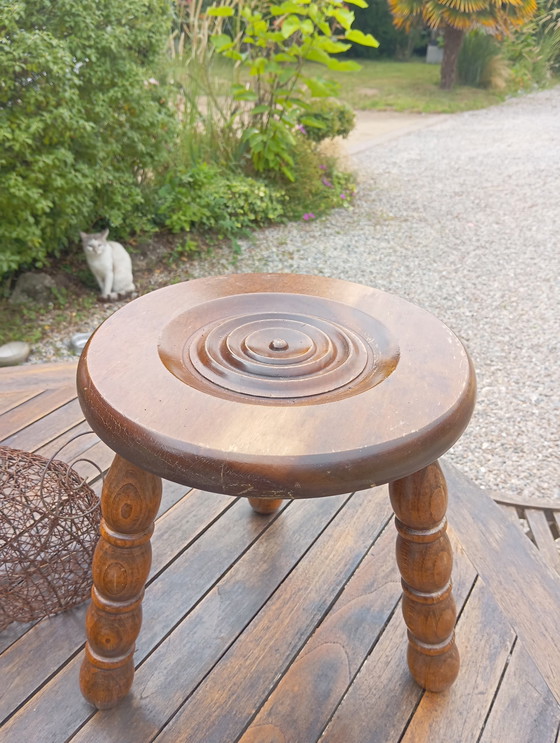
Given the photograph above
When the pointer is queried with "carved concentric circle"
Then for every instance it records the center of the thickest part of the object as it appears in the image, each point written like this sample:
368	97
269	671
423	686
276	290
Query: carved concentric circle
269	350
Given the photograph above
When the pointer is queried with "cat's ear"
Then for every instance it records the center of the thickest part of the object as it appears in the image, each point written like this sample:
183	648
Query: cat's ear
105	234
83	235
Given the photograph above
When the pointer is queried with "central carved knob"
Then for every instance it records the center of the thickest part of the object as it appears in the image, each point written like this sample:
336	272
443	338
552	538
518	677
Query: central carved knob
278	344
252	346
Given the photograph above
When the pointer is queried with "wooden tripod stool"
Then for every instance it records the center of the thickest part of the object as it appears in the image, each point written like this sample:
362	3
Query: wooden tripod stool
273	386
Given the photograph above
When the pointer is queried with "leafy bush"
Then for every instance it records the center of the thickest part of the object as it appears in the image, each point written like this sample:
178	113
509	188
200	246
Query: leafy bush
534	50
318	186
208	198
82	127
326	119
477	52
271	44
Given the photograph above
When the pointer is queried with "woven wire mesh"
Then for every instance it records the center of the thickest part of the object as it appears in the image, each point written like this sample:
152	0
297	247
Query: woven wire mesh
49	521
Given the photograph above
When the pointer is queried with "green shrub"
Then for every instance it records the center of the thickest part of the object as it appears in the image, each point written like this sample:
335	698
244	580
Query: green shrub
271	45
325	119
534	50
318	186
477	52
208	198
82	126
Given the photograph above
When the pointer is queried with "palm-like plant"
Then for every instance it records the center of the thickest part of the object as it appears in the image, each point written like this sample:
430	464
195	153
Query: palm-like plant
455	17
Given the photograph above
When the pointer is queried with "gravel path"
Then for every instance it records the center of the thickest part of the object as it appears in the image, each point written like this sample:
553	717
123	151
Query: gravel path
462	218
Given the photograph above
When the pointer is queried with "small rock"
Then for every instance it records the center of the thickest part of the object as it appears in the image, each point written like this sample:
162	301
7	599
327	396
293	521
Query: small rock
33	287
78	341
13	353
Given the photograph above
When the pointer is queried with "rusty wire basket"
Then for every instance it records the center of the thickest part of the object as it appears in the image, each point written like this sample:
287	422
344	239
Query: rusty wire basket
49	521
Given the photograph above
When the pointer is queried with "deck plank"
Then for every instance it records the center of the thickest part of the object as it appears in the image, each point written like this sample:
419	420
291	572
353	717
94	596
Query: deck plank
525	588
328	662
299	593
41	419
377	705
524	709
64	633
245	614
365	714
459	714
38	376
13	398
511	499
543	537
182	585
71	443
12	633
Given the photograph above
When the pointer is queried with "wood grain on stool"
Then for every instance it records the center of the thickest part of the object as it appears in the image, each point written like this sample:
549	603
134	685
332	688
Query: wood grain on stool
425	560
121	564
271	387
265	505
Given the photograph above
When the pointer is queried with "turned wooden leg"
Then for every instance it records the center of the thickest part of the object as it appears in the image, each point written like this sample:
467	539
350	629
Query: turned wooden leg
425	560
121	563
265	505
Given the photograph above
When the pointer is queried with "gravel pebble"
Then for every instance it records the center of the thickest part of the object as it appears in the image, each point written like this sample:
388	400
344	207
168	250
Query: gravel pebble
463	218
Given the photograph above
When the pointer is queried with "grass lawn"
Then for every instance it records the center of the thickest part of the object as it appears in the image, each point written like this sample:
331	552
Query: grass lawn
405	86
387	85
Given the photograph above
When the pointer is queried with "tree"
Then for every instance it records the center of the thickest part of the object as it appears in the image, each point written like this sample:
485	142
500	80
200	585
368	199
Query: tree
455	17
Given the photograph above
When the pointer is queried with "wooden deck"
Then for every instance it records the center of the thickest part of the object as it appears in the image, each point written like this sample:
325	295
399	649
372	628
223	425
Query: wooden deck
287	629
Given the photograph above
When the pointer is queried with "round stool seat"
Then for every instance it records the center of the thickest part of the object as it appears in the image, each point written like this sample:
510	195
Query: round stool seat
276	385
272	386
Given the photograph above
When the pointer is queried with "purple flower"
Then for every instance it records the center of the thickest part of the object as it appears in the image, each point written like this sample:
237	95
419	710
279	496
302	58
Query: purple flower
326	182
342	195
301	129
322	167
306	217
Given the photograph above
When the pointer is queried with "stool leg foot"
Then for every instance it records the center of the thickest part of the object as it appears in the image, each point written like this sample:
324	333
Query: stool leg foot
121	563
265	505
425	560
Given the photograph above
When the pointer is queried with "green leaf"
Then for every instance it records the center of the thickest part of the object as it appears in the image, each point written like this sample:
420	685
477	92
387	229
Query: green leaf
241	93
330	46
359	3
290	26
313	121
318	55
346	66
360	38
307	27
221	41
288	173
258	66
275	36
260	27
319	88
283	57
233	54
222	11
288	7
344	17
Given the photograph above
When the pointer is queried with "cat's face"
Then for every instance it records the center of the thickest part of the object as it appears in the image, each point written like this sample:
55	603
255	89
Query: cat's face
94	243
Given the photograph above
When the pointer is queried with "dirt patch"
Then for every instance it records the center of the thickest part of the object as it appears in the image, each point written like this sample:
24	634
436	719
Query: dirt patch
158	260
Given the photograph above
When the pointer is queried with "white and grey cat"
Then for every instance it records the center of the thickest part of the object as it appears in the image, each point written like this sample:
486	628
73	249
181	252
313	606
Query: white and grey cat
110	264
